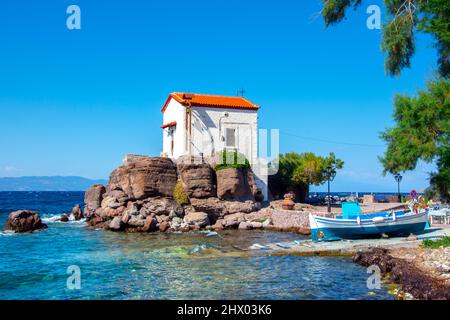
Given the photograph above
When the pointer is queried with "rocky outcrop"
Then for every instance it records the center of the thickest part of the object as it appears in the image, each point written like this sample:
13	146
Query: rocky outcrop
198	179
411	279
235	184
24	221
77	213
139	196
143	178
93	199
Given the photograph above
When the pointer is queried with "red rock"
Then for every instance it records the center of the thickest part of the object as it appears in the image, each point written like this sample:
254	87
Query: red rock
244	226
164	226
231	184
198	179
197	218
150	224
93	199
24	221
77	213
142	177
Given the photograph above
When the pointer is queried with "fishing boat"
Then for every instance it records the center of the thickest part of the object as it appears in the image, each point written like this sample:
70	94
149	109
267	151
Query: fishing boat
370	226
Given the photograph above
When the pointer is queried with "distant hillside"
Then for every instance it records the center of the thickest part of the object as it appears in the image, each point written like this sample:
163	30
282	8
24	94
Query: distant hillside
47	183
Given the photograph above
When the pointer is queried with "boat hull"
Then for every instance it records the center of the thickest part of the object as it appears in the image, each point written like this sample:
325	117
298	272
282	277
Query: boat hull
326	229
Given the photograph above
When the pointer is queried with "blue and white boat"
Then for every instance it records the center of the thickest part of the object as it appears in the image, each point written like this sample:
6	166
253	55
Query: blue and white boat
371	226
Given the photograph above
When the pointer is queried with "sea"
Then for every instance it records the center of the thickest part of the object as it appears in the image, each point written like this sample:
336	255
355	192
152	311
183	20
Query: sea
71	261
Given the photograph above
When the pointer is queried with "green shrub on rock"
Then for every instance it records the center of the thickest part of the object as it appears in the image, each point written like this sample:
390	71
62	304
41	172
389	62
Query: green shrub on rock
180	195
232	159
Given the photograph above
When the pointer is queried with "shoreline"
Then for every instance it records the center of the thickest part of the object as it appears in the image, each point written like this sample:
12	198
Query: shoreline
420	273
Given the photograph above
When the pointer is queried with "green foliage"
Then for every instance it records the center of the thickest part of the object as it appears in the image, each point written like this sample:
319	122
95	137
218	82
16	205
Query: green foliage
436	244
421	133
435	20
398	42
404	18
422	123
297	171
440	181
232	159
180	195
334	10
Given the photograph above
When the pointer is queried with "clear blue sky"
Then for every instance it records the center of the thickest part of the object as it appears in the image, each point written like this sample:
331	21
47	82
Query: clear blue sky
74	102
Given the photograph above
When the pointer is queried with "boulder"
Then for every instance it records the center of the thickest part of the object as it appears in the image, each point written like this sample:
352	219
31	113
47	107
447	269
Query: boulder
144	177
109	213
248	206
164	226
125	218
136	221
162	206
64	218
197	218
93	199
219	225
219	208
232	221
150	224
198	179
77	213
110	202
244	226
24	221
116	224
176	223
234	184
133	208
256	225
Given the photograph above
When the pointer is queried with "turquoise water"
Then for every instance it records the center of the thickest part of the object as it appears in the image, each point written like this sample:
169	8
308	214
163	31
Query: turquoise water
159	266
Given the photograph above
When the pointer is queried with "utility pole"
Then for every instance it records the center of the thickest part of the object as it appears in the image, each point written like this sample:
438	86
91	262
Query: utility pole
398	177
330	174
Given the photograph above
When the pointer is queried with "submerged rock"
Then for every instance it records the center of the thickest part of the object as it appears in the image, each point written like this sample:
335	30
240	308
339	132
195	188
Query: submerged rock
24	221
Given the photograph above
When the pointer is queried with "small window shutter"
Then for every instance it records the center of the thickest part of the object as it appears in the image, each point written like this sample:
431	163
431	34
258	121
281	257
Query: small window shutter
231	137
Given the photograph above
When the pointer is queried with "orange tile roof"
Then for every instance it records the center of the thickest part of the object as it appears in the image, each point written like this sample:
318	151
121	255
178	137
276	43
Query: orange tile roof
212	101
170	124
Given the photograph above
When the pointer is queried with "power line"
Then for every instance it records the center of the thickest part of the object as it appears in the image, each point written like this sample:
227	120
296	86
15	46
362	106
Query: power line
331	141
